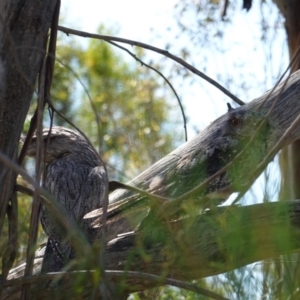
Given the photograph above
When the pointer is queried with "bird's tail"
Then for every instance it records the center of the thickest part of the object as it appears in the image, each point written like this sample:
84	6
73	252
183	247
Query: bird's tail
56	256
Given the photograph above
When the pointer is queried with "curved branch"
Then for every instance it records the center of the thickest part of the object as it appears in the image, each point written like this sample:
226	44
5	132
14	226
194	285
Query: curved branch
166	80
157	50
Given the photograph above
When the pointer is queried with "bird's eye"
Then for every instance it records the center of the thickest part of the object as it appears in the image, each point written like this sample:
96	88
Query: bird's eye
234	121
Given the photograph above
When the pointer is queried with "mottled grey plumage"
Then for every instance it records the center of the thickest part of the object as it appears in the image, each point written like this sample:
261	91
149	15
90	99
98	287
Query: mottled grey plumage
77	178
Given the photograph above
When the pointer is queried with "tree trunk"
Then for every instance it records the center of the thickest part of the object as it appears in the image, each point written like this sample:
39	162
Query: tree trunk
24	26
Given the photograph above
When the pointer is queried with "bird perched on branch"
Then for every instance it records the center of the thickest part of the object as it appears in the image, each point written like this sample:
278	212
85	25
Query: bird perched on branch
76	176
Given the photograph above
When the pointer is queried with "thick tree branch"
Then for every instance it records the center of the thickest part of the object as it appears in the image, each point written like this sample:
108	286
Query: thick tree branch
213	243
228	155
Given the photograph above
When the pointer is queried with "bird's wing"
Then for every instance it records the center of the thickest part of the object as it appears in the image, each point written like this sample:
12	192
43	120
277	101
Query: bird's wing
78	186
56	255
95	188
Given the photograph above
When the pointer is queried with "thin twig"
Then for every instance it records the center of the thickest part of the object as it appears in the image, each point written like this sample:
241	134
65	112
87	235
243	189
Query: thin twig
98	119
224	9
157	50
166	80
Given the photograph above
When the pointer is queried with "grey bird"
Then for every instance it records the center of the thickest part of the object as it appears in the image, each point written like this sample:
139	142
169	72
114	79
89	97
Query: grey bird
76	176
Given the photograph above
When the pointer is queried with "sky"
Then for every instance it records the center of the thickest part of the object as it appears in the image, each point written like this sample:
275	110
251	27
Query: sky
134	18
251	66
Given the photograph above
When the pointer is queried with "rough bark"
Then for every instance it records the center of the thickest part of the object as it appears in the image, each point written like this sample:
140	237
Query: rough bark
213	242
24	27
